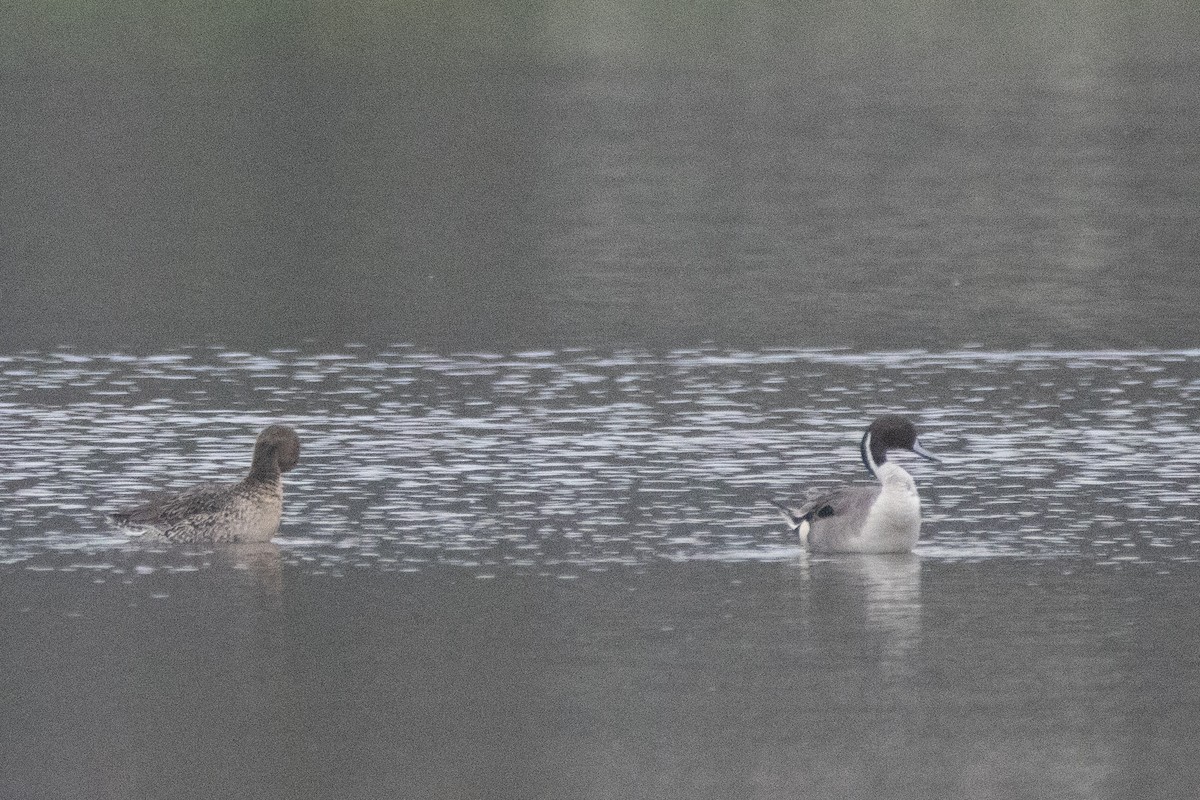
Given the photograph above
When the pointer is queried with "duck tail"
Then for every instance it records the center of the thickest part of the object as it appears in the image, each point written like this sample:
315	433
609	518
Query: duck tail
789	515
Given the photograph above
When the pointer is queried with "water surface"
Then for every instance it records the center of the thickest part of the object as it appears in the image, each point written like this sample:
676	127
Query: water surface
548	574
879	176
647	264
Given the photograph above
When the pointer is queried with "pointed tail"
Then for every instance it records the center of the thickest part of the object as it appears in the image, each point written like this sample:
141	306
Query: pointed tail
789	516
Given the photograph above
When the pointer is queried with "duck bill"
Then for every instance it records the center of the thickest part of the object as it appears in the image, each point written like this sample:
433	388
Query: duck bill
923	453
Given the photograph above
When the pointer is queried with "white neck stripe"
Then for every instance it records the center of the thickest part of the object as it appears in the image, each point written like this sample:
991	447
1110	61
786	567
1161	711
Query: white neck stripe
871	465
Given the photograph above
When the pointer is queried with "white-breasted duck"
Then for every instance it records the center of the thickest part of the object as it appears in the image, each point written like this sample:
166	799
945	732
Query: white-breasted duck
866	519
246	511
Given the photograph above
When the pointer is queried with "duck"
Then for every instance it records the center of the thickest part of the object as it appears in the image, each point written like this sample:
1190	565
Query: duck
866	519
246	511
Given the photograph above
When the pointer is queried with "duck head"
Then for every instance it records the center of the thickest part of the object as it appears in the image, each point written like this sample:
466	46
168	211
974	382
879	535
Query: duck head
276	451
889	432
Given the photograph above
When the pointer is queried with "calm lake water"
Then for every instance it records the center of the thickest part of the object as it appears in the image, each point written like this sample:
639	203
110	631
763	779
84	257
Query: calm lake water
555	294
625	173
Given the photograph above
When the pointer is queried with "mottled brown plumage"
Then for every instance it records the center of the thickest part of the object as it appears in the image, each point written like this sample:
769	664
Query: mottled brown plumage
246	511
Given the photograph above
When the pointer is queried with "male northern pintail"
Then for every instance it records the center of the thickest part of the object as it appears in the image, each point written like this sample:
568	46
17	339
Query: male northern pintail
866	519
247	511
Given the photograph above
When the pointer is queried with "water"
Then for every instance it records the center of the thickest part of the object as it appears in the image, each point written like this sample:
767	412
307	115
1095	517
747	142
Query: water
585	458
548	574
555	294
903	677
884	176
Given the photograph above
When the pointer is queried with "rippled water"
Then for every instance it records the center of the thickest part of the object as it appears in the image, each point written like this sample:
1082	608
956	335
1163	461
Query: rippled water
549	574
513	569
562	461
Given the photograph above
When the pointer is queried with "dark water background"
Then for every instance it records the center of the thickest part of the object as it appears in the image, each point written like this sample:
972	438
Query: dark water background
554	294
865	175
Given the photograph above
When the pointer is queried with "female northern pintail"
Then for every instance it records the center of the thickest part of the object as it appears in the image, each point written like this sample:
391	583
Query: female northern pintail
247	511
866	519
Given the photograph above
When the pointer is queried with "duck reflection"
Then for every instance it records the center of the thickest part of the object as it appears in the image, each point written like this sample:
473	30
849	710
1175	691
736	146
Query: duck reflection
873	601
255	571
177	674
218	647
833	677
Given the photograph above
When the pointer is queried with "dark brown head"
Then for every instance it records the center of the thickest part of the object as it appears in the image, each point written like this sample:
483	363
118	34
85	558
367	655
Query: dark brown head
889	432
276	451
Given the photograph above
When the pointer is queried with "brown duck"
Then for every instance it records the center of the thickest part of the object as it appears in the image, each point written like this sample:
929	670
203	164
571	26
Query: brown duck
247	511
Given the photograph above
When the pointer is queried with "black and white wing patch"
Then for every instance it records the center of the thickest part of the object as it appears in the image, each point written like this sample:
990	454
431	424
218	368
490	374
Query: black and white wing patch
818	505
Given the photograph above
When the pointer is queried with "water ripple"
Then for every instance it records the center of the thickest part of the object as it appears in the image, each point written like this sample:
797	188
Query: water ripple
580	459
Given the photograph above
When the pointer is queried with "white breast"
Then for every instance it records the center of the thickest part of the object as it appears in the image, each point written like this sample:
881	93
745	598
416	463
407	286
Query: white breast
894	522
